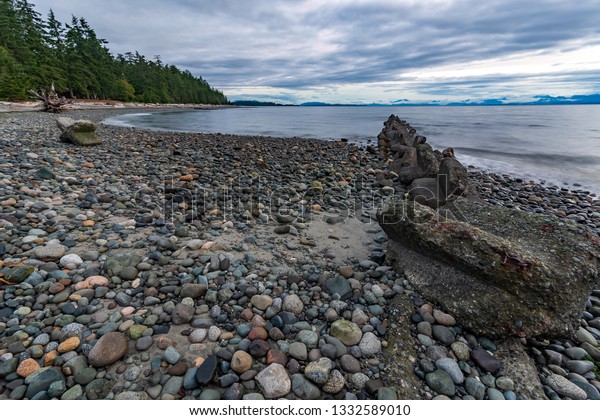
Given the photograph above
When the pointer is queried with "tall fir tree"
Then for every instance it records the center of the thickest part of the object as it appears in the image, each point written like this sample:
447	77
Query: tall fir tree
35	53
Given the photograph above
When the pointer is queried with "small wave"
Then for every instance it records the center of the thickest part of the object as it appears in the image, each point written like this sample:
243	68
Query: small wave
535	157
125	120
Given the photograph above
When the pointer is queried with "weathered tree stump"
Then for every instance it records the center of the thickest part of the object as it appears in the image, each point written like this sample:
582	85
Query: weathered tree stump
50	100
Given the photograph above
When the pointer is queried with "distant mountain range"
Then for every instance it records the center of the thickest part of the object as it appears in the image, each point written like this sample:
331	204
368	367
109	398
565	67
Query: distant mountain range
537	100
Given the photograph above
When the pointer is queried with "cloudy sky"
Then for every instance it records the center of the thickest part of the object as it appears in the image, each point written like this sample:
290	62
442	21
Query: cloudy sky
361	51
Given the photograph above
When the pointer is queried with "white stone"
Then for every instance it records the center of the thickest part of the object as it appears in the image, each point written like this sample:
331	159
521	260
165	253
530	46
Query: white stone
71	261
565	387
52	251
369	344
214	333
195	244
274	381
198	336
293	304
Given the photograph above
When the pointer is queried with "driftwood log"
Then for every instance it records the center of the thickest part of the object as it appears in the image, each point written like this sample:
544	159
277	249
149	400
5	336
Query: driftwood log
50	100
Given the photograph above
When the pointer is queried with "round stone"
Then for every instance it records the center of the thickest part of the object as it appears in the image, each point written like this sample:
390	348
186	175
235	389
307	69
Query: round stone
52	251
171	355
494	394
309	338
136	331
98	281
71	261
443	318
27	367
304	389
318	371
486	361
182	314
359	380
475	388
504	383
461	351
198	335
241	361
369	345
335	383
109	348
350	364
293	304
214	333
69	344
274	381
261	302
347	332
441	382
443	334
144	343
451	368
298	351
128	273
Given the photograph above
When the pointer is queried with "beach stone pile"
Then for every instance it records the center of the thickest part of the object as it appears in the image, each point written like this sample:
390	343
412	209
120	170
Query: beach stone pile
578	205
229	267
111	294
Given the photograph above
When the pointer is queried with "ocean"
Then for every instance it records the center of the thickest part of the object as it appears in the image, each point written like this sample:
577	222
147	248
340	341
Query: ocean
556	145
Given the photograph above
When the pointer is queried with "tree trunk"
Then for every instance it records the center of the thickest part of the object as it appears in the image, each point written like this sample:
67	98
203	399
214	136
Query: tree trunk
50	100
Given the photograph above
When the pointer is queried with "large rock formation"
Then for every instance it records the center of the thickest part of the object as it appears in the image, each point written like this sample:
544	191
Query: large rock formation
429	176
499	271
80	132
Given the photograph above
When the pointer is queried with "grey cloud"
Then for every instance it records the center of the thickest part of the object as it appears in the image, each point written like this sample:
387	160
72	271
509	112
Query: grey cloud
288	44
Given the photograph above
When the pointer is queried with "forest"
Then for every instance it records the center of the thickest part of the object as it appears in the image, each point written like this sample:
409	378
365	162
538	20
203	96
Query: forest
36	52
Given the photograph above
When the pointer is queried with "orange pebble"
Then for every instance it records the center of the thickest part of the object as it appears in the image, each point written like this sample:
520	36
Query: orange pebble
50	357
69	344
27	367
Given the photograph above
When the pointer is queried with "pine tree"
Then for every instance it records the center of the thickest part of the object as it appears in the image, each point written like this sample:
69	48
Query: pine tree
35	53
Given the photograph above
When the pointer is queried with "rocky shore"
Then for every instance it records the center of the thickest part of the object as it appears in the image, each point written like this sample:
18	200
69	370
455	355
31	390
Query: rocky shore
164	265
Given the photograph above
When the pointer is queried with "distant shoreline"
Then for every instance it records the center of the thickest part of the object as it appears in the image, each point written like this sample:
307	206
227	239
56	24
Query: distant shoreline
84	104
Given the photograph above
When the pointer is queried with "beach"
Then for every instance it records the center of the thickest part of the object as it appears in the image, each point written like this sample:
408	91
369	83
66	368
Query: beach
164	265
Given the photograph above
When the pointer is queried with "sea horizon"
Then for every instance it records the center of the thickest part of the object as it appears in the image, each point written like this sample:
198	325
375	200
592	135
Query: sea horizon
523	144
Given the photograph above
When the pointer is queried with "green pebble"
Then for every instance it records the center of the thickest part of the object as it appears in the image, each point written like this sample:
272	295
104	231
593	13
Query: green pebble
136	331
74	393
210	394
64	320
61	297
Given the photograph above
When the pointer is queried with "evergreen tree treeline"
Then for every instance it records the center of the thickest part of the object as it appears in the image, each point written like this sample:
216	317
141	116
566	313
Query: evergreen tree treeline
35	53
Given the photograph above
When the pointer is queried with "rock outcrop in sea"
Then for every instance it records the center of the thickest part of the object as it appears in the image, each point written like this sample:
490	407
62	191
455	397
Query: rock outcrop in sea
499	271
430	176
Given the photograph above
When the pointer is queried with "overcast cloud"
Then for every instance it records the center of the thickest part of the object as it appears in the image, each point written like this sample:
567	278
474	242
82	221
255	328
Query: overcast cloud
361	51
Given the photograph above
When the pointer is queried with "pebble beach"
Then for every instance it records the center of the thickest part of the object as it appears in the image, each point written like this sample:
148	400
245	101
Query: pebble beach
163	265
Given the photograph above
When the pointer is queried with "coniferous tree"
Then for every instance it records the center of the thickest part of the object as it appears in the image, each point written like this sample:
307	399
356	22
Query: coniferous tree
35	53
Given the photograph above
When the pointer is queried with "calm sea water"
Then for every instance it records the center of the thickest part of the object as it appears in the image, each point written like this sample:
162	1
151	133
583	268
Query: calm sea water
559	145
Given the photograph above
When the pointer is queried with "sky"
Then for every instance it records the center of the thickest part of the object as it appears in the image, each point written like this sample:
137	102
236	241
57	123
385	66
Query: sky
362	51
